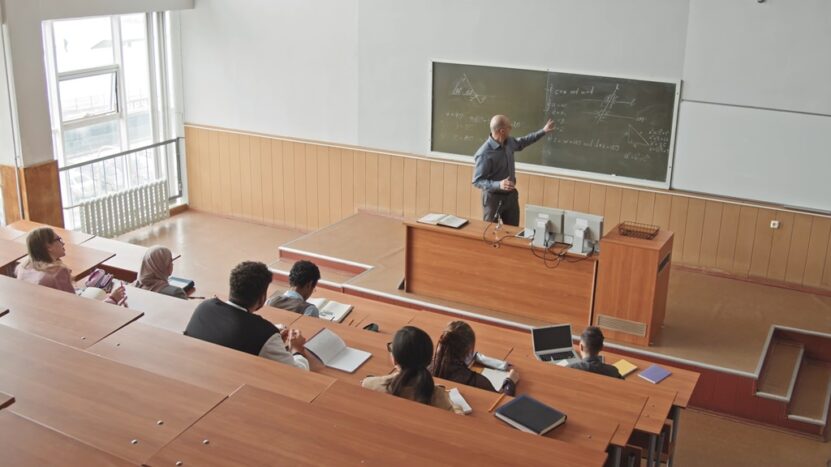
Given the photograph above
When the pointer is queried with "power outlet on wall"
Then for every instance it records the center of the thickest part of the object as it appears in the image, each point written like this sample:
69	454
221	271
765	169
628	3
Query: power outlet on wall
774	225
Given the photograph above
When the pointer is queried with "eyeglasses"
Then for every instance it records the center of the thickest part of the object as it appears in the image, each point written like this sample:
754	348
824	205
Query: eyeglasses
389	347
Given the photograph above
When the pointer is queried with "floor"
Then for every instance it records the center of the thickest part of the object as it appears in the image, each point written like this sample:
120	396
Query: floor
212	245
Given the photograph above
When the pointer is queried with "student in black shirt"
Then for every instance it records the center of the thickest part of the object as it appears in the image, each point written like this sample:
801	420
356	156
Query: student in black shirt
591	343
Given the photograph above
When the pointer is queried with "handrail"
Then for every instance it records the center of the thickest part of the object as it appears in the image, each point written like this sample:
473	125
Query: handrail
122	153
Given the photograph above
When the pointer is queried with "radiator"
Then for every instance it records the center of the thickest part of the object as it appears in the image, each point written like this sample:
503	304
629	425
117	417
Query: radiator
118	213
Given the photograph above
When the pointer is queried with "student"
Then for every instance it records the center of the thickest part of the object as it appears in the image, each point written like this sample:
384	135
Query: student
303	279
233	323
455	352
156	268
411	350
43	265
591	343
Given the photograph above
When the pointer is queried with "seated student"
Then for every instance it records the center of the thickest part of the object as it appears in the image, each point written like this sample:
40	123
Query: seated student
591	343
43	265
411	350
233	323
303	279
455	352
156	268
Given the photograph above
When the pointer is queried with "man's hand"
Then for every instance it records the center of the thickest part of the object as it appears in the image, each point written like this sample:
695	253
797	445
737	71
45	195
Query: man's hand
549	126
506	185
297	343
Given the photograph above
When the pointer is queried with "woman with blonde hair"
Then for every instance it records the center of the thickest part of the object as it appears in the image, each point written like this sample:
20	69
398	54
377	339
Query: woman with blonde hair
43	265
156	268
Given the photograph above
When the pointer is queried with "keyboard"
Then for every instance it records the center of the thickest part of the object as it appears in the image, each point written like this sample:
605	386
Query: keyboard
557	356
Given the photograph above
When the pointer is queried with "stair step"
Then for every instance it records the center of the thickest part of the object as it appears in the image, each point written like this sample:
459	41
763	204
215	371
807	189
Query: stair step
779	373
812	393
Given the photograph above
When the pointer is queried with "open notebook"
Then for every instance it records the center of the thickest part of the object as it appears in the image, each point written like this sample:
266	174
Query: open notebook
330	349
446	220
330	309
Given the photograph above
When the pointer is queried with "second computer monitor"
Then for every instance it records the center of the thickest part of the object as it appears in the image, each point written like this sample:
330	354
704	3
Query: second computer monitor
577	224
544	225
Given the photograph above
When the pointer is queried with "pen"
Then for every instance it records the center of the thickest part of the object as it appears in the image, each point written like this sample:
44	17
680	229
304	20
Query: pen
496	402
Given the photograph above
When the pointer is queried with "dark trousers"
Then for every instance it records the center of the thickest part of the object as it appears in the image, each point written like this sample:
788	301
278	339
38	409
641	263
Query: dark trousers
509	209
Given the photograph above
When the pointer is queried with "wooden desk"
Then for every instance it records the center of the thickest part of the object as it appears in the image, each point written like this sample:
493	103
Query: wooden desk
465	432
126	263
389	318
25	442
458	265
5	401
204	364
82	260
244	430
58	315
159	310
490	340
8	233
95	400
69	236
10	253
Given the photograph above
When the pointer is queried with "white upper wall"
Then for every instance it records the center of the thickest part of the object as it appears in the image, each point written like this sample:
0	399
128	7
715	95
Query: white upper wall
287	67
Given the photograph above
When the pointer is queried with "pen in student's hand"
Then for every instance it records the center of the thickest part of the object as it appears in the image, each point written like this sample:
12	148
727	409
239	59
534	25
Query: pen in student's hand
496	402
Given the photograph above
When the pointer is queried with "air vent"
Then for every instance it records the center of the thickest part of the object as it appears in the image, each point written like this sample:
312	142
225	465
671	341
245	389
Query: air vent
622	325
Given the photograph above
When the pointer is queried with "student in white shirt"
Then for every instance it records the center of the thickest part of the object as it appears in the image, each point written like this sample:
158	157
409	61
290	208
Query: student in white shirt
303	279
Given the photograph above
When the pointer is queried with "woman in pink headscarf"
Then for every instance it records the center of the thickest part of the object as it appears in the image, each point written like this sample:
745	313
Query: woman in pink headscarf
156	268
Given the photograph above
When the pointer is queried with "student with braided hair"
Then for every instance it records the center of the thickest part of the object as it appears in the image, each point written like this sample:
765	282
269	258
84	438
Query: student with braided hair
455	352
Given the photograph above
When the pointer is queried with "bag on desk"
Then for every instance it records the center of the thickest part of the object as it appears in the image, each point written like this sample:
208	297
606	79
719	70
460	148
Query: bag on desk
100	279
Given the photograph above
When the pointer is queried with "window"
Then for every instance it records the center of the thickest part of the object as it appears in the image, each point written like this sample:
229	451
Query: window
101	85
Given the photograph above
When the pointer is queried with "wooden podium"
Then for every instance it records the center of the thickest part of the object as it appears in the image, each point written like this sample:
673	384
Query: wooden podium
632	283
464	266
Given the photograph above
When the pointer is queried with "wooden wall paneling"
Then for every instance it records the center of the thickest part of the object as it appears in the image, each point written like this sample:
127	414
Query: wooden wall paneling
817	252
597	200
384	184
798	252
762	242
781	246
215	171
245	176
336	190
477	211
324	201
826	275
396	186
290	184
450	175
745	237
629	205
726	251
225	172
566	197
192	166
582	197
710	234
646	207
256	179
410	187
551	193
267	162
464	176
536	190
661	211
371	161
695	227
348	206
523	181
235	169
436	180
422	187
275	182
40	191
359	176
312	187
678	225
302	211
611	210
205	170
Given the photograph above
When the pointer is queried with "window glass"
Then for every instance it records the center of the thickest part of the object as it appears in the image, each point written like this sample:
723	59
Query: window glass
83	43
89	142
88	96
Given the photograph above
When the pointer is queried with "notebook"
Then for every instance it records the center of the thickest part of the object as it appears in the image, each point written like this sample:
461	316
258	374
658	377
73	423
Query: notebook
184	284
459	401
530	415
496	377
624	367
330	309
330	349
446	220
655	374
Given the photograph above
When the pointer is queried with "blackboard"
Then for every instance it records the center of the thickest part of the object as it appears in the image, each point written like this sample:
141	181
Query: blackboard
605	126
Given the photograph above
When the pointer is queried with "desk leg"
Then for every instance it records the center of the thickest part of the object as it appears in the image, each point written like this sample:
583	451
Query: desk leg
616	453
676	419
650	457
660	450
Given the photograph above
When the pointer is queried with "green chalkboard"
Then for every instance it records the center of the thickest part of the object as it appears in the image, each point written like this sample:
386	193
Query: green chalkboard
604	125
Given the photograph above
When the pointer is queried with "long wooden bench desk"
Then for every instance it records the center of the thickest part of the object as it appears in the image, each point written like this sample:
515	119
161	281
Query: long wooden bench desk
10	253
58	315
25	442
244	430
126	263
72	237
161	311
5	400
122	410
8	233
204	364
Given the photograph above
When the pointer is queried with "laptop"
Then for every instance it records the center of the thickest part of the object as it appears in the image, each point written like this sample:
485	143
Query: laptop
553	343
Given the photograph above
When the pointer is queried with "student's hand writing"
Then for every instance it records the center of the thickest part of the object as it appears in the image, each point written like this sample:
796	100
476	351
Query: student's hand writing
297	342
117	294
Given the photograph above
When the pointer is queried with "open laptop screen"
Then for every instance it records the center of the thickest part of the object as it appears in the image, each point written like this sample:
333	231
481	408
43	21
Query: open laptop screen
552	337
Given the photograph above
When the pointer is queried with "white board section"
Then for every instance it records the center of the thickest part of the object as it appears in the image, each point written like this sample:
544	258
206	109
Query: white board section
770	156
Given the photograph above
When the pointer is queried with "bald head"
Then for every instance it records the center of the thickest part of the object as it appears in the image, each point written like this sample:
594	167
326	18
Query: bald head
500	128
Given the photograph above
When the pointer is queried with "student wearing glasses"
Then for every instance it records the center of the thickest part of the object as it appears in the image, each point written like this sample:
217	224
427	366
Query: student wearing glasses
43	265
411	350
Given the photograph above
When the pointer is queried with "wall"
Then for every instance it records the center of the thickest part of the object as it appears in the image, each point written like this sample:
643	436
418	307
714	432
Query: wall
308	185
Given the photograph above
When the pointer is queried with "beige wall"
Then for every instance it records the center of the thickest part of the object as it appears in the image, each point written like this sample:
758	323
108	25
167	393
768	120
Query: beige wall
307	185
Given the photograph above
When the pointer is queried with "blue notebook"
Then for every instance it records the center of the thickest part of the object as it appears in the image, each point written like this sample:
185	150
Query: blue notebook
655	374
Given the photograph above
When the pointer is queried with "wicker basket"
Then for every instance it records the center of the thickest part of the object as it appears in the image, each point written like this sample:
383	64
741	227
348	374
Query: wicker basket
638	230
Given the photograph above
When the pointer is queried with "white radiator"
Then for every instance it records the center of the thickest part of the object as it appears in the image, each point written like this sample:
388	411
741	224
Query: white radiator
123	211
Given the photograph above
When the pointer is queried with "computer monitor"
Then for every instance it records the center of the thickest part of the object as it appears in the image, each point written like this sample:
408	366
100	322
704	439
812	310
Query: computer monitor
544	225
582	231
